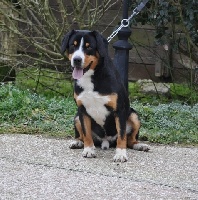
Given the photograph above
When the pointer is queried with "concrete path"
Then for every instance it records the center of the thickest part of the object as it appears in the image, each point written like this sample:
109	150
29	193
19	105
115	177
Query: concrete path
32	167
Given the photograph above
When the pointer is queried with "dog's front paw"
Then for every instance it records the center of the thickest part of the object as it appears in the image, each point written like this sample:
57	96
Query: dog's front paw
120	155
89	152
141	147
76	144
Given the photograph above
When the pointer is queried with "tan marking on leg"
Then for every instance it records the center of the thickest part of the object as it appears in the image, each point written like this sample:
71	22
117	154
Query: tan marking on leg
78	102
79	129
121	142
88	141
113	101
135	123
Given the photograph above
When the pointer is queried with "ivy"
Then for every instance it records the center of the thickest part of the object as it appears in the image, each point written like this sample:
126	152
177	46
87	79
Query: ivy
173	20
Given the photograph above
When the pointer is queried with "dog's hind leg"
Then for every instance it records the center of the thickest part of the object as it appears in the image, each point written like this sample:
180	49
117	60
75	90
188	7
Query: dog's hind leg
78	143
133	126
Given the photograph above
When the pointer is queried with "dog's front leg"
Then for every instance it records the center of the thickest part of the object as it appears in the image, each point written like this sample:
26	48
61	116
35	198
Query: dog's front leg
78	142
89	148
122	139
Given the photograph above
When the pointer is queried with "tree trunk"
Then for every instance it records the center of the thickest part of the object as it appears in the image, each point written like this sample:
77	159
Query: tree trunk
8	45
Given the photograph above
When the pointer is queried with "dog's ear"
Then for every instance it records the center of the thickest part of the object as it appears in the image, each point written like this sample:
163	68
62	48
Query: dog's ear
65	41
102	44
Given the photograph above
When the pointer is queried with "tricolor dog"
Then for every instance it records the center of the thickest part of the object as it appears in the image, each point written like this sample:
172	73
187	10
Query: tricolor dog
104	116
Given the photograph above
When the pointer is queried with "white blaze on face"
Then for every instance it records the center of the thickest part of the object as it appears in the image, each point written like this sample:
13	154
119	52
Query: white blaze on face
78	71
79	53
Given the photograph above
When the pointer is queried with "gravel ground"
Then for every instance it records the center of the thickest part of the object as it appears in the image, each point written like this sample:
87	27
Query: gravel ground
32	167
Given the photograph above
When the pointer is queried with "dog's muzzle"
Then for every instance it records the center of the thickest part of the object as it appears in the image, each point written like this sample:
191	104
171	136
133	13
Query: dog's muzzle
78	69
77	62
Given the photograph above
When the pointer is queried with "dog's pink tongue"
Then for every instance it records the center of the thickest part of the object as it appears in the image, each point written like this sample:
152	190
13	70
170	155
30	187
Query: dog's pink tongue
77	73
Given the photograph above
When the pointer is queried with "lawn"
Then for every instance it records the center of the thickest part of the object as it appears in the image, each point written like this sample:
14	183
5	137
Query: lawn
22	111
47	82
51	114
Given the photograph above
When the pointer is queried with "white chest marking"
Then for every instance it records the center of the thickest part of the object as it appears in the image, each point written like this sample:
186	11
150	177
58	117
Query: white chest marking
93	101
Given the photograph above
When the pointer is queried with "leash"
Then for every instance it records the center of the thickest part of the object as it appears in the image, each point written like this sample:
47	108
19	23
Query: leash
125	22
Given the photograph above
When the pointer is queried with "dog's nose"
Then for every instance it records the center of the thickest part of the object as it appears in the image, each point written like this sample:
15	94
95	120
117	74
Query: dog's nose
77	61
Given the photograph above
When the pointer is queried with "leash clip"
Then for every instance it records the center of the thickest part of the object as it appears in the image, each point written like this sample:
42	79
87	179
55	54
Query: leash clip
126	22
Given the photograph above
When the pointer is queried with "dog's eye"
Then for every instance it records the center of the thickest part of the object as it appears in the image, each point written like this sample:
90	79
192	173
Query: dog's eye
71	48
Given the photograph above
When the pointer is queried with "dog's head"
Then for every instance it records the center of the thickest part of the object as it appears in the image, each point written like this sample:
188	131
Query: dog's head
84	49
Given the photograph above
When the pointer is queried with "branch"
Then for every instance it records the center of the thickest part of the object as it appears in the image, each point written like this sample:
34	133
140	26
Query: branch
191	54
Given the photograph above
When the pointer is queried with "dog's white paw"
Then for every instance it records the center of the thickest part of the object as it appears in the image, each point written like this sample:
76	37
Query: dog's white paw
141	147
105	145
120	155
77	144
89	152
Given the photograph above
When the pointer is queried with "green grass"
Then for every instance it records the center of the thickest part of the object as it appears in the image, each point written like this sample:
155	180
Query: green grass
47	82
184	93
51	83
178	92
22	111
169	123
135	94
41	102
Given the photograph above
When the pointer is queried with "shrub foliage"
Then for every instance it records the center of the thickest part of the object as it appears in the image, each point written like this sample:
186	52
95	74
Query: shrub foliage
24	112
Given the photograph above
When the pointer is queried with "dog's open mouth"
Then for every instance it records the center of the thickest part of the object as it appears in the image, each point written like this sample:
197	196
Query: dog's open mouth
78	72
